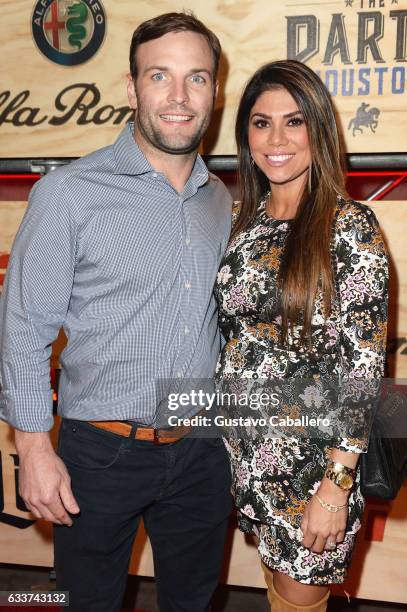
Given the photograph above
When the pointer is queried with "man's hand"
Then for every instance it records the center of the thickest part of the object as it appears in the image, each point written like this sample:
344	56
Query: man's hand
45	485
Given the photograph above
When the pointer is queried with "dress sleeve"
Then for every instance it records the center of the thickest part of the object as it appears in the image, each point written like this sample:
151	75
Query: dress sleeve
362	283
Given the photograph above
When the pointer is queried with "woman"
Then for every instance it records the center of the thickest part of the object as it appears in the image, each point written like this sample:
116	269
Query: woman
302	293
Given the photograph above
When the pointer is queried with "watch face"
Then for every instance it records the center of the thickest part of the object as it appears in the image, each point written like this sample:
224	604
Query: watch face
345	481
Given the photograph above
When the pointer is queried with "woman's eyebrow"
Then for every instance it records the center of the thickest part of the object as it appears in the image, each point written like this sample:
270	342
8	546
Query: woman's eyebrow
287	116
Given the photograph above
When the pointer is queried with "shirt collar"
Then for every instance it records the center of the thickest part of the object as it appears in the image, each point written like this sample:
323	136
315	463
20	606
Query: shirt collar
130	159
199	174
128	156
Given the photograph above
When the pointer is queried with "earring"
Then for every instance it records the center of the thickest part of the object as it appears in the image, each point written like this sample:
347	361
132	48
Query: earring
251	161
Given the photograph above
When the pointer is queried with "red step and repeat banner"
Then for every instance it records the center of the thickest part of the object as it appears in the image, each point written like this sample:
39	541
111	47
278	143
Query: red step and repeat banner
62	94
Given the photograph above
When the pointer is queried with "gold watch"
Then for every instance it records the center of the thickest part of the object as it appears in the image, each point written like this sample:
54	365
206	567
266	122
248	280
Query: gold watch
341	475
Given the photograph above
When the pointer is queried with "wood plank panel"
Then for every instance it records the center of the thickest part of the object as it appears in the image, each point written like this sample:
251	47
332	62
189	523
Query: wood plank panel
252	33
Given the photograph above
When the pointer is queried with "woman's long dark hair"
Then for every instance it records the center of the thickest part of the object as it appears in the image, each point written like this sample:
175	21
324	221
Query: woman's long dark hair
306	265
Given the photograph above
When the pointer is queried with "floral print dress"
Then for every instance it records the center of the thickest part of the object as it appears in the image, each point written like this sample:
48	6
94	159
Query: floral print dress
275	477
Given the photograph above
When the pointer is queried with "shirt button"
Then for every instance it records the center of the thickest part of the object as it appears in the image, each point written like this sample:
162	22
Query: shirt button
155	175
188	285
179	374
188	241
186	330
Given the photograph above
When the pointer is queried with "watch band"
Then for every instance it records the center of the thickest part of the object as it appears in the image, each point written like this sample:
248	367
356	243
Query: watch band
341	475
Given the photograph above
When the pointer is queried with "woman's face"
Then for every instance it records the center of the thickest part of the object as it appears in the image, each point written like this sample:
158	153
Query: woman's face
278	138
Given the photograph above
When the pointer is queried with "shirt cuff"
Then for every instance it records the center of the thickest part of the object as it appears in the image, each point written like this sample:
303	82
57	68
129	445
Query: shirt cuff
34	415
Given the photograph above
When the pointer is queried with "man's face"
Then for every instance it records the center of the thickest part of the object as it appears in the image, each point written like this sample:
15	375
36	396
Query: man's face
173	93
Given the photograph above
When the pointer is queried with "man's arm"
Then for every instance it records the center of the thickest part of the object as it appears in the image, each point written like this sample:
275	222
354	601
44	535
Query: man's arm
33	307
34	303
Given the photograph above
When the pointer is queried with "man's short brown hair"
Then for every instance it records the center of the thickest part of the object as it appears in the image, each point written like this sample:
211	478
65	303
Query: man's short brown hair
172	22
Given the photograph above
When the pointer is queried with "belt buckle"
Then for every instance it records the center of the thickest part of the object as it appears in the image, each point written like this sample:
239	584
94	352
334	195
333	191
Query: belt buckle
157	438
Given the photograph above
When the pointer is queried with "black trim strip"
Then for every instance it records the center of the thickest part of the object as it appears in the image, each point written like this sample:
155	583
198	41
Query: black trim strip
216	163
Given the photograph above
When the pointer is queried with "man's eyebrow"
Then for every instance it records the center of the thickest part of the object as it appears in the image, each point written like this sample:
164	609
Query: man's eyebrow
166	68
195	70
286	116
159	68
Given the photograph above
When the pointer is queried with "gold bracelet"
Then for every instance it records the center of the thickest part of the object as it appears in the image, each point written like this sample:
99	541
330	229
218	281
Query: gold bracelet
328	506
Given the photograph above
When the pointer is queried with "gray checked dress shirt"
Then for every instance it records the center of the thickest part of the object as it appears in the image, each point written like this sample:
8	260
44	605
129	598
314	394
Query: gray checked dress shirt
111	252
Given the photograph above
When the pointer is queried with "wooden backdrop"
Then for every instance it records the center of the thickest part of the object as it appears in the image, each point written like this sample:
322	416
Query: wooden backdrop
358	47
382	542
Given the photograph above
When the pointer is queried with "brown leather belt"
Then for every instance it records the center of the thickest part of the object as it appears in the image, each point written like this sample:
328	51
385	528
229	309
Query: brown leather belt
158	436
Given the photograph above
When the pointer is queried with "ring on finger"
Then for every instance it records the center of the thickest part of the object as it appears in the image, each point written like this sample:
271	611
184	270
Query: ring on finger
330	544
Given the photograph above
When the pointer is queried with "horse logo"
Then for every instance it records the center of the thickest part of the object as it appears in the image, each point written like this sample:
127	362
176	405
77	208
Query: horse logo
364	118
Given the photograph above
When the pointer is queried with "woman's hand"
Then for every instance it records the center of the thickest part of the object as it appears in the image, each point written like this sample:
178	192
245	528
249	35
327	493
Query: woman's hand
323	529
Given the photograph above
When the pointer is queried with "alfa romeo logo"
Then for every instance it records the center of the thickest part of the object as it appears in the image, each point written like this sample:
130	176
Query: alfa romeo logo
68	32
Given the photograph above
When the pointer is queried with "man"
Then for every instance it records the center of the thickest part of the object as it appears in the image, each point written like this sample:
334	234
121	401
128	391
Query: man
122	249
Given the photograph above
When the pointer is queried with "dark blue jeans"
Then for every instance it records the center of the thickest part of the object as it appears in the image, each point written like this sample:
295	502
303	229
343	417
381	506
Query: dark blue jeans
182	491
